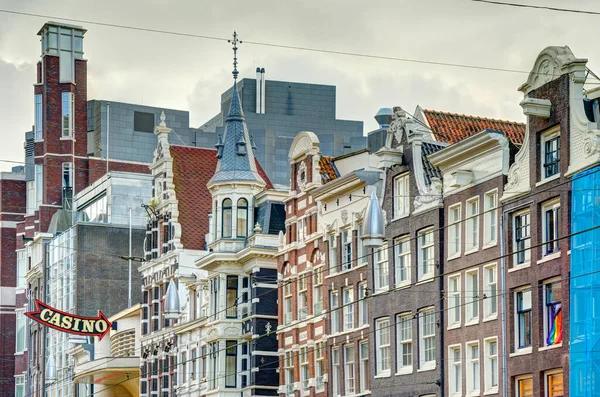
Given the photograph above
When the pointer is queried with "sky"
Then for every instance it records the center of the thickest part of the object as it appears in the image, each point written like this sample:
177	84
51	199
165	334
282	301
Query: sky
191	73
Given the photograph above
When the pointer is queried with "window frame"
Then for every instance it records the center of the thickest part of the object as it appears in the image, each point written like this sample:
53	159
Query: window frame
401	192
547	138
472	309
335	371
472	225
241	218
546	309
288	302
425	247
363	308
548	374
332	253
488	369
382	347
402	257
526	314
67	110
490	219
424	315
231	350
521	243
227	215
349	369
304	368
346	237
518	379
490	286
317	293
404	337
38	117
454	231
319	365
552	247
473	375
348	308
364	367
454	297
302	291
455	376
335	311
381	270
20	332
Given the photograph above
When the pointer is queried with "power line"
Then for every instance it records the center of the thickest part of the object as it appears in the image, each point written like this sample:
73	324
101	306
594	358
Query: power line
538	7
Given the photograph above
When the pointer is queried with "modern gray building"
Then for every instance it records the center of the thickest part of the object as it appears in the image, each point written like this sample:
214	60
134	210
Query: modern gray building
276	112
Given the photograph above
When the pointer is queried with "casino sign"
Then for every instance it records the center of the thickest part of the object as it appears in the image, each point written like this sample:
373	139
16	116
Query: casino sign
70	323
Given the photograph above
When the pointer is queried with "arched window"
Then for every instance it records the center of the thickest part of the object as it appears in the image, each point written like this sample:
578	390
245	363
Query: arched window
226	225
242	218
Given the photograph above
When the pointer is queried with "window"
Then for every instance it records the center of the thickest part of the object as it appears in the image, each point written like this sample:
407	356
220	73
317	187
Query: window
335	312
287	302
551	155
472	225
364	366
143	122
301	230
550	227
490	224
455	370
302	296
193	365
230	363
318	290
332	253
38	117
454	304
349	369
227	218
242	218
347	249
21	268
363	311
404	343
552	313
231	301
554	384
523	318
335	371
67	179
524	386
289	372
304	375
348	309
21	342
319	366
426	255
381	277
68	115
521	238
427	339
401	196
454	231
361	250
39	184
491	365
402	261
184	375
382	346
472	296
19	386
490	290
472	350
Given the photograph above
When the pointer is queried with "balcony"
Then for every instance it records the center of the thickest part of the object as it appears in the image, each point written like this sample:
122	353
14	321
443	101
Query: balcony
123	344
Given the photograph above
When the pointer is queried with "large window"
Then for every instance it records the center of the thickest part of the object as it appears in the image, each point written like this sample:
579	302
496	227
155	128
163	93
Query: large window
287	302
319	365
404	343
427	339
455	371
524	386
231	301
38	117
523	318
335	312
364	366
521	242
472	350
554	384
551	154
347	249
472	296
67	172
304	372
349	369
348	309
302	296
490	225
454	303
553	326
332	253
491	365
227	222
242	218
381	277
490	289
401	196
382	346
472	225
21	342
550	227
231	363
288	364
402	261
426	255
335	371
68	115
454	223
363	311
318	290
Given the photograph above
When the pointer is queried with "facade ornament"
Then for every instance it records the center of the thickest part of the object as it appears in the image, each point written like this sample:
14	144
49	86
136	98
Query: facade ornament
301	176
268	327
163	118
592	145
344	216
331	227
258	228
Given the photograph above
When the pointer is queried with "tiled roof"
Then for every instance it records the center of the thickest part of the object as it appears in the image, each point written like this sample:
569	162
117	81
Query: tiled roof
453	127
192	169
328	171
428	169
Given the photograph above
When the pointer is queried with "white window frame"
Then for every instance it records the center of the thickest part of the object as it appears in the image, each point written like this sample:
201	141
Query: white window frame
39	185
346	235
333	259
544	138
526	242
20	332
38	117
363	308
334	300
404	339
21	268
546	313
289	372
490	218
454	301
401	196
381	273
454	231
520	290
67	167
472	225
302	296
490	290
427	319
363	347
361	250
520	378
425	246
473	375
382	347
455	370
349	369
551	248
318	290
68	101
304	368
20	386
402	258
335	371
472	297
287	302
319	366
548	374
348	308
491	366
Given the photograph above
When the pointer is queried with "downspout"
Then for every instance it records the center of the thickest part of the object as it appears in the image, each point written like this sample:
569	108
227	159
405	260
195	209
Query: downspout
503	305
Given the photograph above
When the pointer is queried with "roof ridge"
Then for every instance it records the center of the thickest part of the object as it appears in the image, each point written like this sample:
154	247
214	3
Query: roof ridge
473	116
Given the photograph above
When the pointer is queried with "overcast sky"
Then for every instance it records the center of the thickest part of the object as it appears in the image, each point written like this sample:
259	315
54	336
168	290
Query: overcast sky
191	73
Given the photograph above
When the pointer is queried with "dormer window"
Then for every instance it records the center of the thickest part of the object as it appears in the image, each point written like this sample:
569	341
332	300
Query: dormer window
242	218
226	221
550	144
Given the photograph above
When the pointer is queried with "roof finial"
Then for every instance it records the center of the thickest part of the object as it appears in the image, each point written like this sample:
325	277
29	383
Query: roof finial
235	42
162	119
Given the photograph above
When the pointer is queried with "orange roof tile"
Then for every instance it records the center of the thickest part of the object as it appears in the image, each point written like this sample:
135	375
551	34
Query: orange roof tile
453	127
328	171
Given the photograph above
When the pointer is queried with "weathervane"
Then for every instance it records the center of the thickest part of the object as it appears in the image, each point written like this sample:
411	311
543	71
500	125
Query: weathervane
235	42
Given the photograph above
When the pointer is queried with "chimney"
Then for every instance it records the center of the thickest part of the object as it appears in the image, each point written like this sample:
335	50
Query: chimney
258	91
262	91
384	117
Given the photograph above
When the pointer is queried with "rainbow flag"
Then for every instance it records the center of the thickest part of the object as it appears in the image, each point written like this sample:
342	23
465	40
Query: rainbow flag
555	331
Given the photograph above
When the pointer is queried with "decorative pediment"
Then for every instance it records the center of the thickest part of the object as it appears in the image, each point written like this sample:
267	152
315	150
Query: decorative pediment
305	143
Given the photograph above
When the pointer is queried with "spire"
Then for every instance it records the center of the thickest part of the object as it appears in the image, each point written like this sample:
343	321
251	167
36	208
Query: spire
235	149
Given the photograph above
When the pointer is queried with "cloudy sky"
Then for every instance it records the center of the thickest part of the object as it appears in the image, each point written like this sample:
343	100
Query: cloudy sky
190	73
